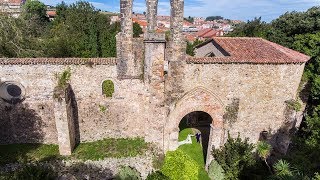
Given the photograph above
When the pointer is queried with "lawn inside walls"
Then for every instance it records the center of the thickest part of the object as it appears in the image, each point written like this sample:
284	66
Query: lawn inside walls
98	150
194	151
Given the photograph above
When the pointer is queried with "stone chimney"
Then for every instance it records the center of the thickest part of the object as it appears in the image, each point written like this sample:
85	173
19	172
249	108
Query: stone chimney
152	9
126	67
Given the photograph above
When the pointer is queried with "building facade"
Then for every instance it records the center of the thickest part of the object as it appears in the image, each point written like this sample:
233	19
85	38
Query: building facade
244	89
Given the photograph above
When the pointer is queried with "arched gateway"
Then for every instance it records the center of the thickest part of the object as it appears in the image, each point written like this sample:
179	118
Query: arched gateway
197	100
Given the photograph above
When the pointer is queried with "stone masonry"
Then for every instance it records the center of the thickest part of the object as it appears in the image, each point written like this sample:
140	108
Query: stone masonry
147	101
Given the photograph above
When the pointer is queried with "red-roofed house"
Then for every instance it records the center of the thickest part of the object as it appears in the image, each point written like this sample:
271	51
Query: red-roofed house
205	34
247	50
11	7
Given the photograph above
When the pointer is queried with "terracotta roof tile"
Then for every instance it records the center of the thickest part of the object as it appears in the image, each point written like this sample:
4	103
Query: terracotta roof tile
252	50
58	61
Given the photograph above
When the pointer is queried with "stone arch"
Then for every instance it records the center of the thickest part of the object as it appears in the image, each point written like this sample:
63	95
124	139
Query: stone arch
198	99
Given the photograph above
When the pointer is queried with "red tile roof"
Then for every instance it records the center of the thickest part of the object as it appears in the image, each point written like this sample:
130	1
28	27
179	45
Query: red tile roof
12	1
57	61
251	50
51	13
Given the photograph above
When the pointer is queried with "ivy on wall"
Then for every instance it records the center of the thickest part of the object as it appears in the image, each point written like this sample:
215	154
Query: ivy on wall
232	110
108	88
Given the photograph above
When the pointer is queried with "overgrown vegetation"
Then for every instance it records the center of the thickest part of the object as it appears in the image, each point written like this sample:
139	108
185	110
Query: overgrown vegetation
64	78
157	175
128	173
35	172
235	157
108	88
231	114
294	105
191	47
79	30
215	171
299	31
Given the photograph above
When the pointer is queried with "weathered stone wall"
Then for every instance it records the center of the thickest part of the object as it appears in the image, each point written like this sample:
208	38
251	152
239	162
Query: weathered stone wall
129	113
260	89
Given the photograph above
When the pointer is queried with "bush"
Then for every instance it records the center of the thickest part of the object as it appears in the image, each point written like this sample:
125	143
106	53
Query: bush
128	173
157	175
35	172
235	157
107	88
178	165
215	171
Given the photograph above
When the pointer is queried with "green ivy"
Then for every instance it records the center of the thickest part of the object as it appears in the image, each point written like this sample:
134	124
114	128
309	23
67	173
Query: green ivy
108	88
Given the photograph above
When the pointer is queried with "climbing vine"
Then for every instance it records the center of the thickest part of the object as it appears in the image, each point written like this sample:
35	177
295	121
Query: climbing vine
232	110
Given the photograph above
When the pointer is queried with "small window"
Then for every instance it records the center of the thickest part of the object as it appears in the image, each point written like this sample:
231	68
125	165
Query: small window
107	88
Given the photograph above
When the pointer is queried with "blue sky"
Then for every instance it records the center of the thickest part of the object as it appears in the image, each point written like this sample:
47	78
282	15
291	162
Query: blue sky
232	9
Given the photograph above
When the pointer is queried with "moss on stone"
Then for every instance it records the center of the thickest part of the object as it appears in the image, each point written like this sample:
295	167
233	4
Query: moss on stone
107	88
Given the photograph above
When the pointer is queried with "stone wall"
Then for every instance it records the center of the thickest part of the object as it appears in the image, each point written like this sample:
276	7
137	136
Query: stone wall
260	89
126	114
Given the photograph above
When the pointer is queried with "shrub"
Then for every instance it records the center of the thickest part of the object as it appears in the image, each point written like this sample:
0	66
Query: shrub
35	172
215	171
178	165
235	157
107	88
294	105
157	175
63	78
128	173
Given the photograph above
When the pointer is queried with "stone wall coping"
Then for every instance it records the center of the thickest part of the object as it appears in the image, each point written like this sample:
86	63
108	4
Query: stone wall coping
59	61
232	60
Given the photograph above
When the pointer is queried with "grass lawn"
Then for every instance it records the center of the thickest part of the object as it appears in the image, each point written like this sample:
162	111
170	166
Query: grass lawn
110	148
117	148
194	150
27	152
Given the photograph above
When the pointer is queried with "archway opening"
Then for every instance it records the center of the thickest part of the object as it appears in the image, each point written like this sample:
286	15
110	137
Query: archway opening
195	123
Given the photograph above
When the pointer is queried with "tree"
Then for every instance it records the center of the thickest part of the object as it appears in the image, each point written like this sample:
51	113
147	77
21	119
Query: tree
15	41
235	157
211	18
191	47
253	28
189	19
34	13
34	8
81	31
137	30
264	151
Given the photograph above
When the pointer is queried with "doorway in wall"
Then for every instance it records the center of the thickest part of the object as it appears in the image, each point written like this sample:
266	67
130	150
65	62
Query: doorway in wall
193	124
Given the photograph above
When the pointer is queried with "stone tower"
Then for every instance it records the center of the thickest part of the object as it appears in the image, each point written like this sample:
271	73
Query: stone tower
125	65
175	53
155	45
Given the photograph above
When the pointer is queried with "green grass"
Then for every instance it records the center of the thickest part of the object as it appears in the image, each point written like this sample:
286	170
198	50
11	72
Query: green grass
194	151
27	153
116	148
23	153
